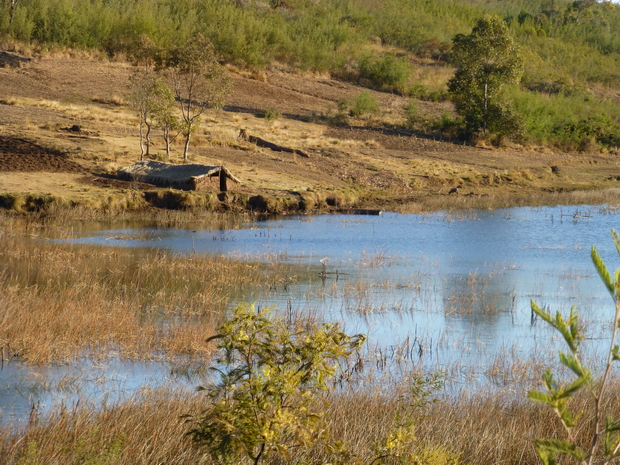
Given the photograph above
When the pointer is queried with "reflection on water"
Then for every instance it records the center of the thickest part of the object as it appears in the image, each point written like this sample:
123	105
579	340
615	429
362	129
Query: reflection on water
28	391
469	277
447	290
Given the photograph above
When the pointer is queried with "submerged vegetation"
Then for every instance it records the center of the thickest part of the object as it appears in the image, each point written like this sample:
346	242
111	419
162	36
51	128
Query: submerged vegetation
61	302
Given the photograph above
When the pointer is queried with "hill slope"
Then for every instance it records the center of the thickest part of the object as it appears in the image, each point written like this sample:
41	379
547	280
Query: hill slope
74	108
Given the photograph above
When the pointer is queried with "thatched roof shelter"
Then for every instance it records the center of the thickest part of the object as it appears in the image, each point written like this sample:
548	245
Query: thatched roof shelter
187	177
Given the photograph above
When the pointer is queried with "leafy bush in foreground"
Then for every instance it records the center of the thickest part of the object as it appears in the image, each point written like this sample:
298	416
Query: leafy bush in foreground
268	398
604	434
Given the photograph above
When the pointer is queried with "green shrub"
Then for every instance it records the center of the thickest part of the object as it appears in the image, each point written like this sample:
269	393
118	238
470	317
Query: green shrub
411	113
387	72
271	114
272	377
364	103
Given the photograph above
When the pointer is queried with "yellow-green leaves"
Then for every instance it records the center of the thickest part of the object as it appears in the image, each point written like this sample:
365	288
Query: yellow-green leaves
557	395
268	397
569	329
602	272
549	448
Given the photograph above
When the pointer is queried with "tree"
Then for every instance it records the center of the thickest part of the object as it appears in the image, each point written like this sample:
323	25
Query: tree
486	60
10	6
152	97
153	101
198	82
268	398
168	122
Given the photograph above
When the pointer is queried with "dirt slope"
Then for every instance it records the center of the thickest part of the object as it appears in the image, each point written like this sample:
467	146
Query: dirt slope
70	114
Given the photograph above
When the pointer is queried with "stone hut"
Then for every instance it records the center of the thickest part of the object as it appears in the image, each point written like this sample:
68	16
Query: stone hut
186	177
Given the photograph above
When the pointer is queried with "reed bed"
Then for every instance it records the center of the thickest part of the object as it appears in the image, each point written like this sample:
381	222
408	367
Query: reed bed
59	302
478	428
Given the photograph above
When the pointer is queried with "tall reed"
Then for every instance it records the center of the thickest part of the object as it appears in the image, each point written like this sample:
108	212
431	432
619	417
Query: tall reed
60	301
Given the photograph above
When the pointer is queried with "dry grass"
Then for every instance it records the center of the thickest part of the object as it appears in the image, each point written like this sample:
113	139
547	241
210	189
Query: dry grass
483	428
147	430
462	202
419	172
59	302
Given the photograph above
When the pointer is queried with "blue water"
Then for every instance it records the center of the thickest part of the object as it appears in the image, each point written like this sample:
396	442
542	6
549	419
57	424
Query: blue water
446	289
429	262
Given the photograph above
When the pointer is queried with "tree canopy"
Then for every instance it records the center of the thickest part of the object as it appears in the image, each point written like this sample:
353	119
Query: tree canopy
198	82
486	60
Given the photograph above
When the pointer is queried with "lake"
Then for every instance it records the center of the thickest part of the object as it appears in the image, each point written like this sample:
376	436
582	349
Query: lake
443	291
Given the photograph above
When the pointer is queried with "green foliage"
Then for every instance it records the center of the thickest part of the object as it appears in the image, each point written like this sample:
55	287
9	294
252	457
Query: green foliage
152	100
387	72
569	122
29	454
271	114
569	47
198	82
486	60
402	445
89	450
272	380
557	395
364	103
411	113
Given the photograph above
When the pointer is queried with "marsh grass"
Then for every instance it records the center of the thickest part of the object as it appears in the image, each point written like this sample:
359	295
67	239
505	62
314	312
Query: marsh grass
59	302
481	428
457	204
473	294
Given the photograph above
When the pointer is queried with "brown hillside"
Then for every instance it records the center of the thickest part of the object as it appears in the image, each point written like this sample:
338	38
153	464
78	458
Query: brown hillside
73	111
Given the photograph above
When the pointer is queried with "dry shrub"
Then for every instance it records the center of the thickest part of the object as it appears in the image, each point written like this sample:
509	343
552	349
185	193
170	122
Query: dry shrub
9	101
527	175
115	100
341	199
22	203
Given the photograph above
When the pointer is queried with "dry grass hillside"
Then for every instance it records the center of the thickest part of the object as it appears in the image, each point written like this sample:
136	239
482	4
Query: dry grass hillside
66	127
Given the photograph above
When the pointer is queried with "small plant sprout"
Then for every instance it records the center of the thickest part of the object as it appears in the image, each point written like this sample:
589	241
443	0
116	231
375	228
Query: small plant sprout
603	446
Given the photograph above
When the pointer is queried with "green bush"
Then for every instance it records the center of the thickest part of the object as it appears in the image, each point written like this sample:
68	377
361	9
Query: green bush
269	397
271	114
387	72
411	113
364	103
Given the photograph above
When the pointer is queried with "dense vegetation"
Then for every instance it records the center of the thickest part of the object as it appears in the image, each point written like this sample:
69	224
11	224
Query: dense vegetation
568	95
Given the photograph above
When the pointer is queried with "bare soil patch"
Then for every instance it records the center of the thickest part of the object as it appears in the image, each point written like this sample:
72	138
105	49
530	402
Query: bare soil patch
22	155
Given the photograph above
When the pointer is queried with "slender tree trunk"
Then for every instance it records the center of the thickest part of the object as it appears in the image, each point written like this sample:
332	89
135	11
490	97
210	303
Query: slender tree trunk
13	5
147	137
186	148
486	103
167	140
141	140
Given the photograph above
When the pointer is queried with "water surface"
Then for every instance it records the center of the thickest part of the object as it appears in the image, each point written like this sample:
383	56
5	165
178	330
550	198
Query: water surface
441	290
